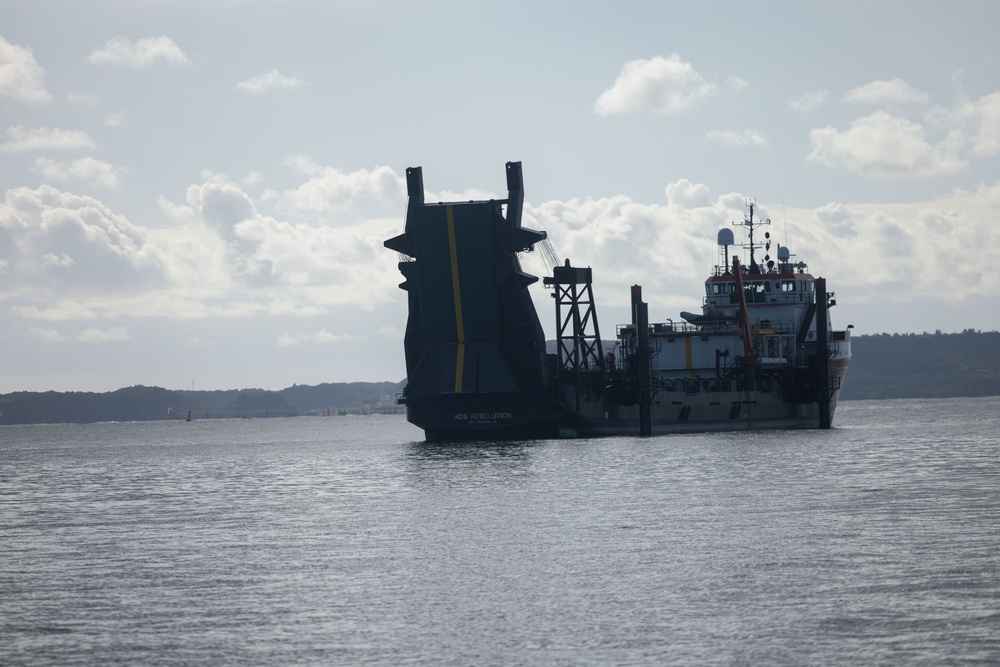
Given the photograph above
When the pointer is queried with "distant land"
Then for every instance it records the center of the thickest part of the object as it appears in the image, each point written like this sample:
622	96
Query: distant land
140	403
884	366
924	366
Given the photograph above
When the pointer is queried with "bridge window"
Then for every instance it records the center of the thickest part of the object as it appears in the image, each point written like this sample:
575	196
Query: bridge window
787	285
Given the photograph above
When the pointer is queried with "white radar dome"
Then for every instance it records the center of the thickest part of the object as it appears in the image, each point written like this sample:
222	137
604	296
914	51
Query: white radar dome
726	237
783	254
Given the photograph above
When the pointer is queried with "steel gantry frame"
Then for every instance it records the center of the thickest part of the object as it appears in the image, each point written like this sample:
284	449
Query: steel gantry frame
578	336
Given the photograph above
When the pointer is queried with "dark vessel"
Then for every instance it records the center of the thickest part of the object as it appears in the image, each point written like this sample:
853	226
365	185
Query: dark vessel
761	355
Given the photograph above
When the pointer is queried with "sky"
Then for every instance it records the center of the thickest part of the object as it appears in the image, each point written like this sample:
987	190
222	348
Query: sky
195	194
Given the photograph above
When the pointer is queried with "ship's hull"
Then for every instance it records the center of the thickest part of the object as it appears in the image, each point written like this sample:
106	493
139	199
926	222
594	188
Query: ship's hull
505	418
491	417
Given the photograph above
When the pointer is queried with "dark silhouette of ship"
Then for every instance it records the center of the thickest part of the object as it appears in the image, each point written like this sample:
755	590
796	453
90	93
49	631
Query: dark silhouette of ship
761	355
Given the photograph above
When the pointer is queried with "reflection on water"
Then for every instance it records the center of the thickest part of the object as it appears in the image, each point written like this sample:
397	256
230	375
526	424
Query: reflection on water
469	450
349	540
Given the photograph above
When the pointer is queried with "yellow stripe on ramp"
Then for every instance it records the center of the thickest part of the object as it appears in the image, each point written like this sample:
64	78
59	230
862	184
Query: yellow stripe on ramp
456	290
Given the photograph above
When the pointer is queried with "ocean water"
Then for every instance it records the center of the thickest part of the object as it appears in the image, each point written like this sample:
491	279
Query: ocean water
347	540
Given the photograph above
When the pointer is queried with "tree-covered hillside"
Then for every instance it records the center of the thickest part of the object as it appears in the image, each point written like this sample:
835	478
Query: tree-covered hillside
141	403
924	366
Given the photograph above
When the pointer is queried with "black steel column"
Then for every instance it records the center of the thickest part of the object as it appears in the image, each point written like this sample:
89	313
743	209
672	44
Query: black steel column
645	370
822	354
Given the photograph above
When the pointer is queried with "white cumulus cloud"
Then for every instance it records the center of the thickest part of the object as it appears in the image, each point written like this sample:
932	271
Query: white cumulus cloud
21	77
51	259
140	54
312	237
269	81
114	119
983	117
112	335
748	137
287	340
66	244
82	269
885	146
864	250
363	193
82	100
882	93
58	312
809	100
658	85
21	138
48	335
221	204
684	193
88	170
390	332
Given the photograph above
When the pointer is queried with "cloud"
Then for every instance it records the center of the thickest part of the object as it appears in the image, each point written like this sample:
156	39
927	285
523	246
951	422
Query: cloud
86	101
114	119
390	332
287	340
658	85
22	139
269	81
313	236
629	241
68	244
871	250
61	311
252	178
113	335
736	84
684	193
48	335
885	146
142	54
748	137
353	195
809	101
866	251
50	259
87	170
21	78
886	93
307	259
304	164
222	205
983	115
78	261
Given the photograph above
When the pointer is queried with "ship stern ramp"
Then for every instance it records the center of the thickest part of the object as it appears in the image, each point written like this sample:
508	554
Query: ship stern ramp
473	343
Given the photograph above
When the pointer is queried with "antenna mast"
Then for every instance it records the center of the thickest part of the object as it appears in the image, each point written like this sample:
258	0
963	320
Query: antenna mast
751	224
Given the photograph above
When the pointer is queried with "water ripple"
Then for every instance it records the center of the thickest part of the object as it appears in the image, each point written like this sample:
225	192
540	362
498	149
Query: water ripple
348	540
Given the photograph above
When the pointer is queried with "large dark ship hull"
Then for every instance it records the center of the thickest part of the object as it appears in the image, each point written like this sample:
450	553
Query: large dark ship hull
497	418
451	419
478	367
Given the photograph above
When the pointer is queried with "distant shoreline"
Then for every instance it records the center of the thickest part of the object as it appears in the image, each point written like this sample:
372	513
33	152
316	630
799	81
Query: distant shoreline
884	367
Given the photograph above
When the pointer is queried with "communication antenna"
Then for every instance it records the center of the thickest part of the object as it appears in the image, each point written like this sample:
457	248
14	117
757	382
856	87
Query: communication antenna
784	220
750	224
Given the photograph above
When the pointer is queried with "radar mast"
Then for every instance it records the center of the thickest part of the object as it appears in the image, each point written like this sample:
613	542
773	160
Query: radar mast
751	225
